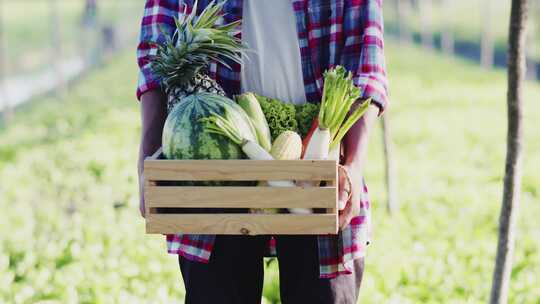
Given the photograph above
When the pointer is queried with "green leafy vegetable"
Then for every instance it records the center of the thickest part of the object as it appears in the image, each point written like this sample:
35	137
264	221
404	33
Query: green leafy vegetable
305	114
279	115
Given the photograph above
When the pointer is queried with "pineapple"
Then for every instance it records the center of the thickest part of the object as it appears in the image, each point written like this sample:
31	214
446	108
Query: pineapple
182	61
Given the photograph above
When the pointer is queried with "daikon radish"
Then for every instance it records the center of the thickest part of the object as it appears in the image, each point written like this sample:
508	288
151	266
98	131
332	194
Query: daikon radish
319	144
305	141
334	121
334	153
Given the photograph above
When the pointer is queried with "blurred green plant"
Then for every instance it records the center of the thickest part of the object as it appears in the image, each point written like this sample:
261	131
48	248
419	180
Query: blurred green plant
466	20
450	127
67	165
27	29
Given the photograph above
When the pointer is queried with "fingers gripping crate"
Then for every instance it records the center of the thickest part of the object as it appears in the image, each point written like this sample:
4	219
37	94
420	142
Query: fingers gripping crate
161	198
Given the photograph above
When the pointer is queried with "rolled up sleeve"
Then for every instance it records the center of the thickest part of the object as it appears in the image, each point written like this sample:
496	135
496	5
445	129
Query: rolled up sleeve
364	47
157	22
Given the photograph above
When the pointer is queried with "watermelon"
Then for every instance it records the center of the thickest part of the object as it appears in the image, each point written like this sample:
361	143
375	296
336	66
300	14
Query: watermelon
185	136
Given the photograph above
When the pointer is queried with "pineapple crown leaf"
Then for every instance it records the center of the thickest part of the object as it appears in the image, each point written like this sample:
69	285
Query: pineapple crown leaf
196	42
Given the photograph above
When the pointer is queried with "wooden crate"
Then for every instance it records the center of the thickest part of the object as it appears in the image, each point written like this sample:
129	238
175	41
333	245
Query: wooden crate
159	196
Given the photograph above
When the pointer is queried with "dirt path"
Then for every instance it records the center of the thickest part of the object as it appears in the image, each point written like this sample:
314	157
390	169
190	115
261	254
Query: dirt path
19	89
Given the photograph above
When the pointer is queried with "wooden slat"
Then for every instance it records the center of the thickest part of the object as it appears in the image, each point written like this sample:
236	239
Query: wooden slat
239	170
247	224
334	183
148	184
240	197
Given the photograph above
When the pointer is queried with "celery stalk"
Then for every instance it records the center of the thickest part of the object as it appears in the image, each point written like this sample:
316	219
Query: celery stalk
339	94
351	120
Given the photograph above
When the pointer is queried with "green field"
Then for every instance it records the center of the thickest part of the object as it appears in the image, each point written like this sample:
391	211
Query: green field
71	232
466	20
27	27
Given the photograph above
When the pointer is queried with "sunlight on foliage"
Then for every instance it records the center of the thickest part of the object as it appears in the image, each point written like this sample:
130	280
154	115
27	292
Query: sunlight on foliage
71	232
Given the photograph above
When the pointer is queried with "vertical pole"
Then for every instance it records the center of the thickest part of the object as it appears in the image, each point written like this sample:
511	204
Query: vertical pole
84	37
514	143
95	28
486	51
426	19
532	42
403	8
532	72
392	204
7	110
447	35
56	47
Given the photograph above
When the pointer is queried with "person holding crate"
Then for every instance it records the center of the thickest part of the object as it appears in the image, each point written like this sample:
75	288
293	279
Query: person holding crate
294	42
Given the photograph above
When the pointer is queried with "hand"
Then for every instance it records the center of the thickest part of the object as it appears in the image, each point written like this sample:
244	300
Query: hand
349	194
141	195
153	116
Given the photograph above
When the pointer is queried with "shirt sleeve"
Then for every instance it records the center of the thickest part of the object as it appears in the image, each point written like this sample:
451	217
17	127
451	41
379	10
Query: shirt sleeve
371	73
157	21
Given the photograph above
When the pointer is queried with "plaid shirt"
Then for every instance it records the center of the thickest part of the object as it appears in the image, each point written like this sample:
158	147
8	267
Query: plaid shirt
330	32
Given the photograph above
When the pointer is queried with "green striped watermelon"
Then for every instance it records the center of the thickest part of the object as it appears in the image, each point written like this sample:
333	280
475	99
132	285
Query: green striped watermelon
184	136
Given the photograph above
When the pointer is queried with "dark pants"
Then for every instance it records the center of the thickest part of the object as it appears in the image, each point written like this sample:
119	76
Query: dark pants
235	273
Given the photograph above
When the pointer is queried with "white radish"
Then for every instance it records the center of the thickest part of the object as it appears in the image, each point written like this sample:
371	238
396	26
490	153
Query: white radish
318	145
317	148
335	119
334	153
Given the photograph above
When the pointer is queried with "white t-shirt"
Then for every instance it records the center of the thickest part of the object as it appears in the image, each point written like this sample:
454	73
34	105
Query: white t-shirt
273	67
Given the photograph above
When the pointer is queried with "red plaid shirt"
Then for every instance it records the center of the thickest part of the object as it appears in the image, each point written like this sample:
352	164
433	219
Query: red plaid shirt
330	32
